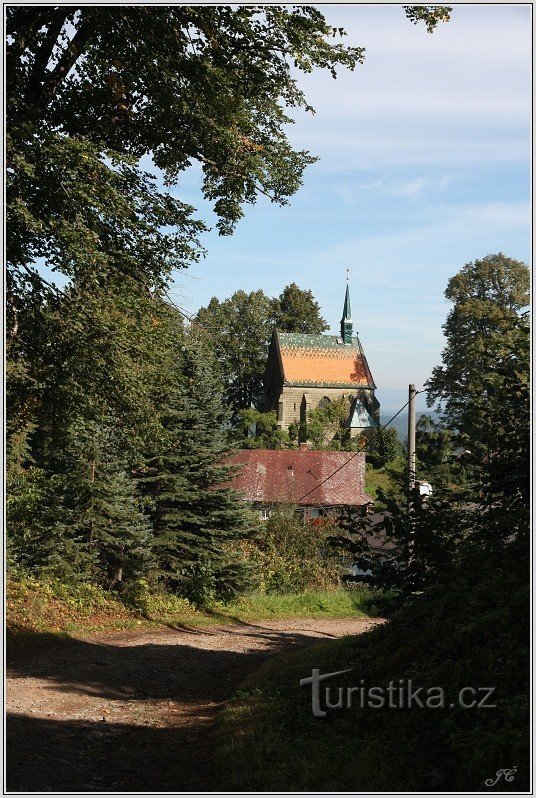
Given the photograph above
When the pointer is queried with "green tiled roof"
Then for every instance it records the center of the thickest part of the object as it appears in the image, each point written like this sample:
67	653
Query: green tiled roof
322	384
314	341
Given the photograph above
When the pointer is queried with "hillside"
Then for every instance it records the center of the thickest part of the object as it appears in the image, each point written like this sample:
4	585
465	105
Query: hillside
472	633
392	399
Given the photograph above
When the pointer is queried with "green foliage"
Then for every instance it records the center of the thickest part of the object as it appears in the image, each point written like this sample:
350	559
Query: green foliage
102	514
158	604
384	447
93	89
256	430
291	555
487	338
240	329
242	326
327	425
430	15
296	311
387	481
29	502
194	515
108	395
118	400
470	630
484	386
308	603
54	606
435	452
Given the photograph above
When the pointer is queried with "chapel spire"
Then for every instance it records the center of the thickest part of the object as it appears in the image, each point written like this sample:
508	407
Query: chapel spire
346	321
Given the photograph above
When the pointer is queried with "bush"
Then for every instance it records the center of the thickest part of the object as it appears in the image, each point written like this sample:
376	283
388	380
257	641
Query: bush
291	555
138	595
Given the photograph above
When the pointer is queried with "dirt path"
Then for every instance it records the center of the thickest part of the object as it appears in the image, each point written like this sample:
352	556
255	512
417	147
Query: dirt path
135	710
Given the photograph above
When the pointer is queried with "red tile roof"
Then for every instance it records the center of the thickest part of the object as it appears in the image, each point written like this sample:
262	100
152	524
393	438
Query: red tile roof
297	477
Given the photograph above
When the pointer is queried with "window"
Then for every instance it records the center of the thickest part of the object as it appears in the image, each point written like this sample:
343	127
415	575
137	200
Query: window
265	514
324	402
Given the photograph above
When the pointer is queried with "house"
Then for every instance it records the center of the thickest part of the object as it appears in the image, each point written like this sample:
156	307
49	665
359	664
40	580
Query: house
306	371
314	482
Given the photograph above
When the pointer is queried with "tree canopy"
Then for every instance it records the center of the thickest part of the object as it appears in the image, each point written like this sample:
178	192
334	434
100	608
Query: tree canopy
296	310
118	424
94	89
95	92
240	329
485	330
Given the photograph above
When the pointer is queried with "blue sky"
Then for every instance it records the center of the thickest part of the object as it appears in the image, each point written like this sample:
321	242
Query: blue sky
424	166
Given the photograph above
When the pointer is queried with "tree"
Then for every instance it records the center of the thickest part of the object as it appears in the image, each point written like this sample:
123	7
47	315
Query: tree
95	94
296	310
93	350
484	328
240	328
256	430
92	90
102	528
384	446
195	516
434	449
326	426
484	388
430	15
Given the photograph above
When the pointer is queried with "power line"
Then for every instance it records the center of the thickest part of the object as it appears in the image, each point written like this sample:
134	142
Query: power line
359	451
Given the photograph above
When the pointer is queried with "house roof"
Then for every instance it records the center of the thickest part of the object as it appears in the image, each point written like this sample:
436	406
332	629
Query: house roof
323	360
302	477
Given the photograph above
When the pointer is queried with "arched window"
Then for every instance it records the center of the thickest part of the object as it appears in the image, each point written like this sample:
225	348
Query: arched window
324	402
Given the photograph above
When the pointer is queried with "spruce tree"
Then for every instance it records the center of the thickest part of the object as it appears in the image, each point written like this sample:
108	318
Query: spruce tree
103	533
196	518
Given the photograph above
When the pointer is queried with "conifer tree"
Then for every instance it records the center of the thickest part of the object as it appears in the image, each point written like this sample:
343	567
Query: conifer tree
196	518
103	533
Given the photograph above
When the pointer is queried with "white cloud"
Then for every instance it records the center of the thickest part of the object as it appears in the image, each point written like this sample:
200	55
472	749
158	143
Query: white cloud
459	95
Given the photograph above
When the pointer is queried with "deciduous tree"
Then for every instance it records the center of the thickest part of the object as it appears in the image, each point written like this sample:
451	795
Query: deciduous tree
296	310
485	329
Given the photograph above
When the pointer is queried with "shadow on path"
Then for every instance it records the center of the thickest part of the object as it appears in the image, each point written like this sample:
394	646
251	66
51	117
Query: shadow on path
132	711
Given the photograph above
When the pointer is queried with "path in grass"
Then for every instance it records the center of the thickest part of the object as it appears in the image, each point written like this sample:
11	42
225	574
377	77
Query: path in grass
135	711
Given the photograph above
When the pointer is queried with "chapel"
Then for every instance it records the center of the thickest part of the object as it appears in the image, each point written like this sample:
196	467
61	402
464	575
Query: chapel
306	371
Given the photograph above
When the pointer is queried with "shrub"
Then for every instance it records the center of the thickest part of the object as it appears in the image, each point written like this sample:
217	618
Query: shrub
291	555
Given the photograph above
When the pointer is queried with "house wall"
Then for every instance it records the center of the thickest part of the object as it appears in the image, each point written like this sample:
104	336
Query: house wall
292	403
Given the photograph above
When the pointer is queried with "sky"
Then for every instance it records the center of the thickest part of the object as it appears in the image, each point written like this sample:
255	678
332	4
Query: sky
424	166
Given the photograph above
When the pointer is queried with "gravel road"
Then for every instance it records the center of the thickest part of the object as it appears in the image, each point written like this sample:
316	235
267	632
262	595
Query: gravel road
135	711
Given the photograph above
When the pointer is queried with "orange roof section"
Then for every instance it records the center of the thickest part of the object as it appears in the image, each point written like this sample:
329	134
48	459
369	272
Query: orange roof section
324	367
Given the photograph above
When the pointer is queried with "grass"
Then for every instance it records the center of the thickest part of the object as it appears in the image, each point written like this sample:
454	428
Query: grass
376	478
309	604
35	606
384	479
472	635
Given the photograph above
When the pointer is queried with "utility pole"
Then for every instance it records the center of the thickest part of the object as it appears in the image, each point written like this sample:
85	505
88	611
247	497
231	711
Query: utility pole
411	471
411	440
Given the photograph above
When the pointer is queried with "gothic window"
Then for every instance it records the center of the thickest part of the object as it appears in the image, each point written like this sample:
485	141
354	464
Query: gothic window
324	402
